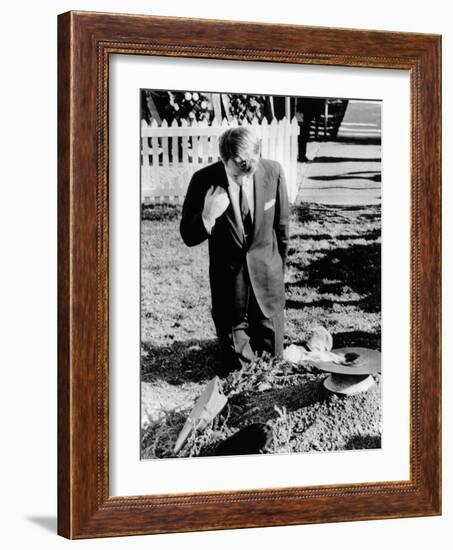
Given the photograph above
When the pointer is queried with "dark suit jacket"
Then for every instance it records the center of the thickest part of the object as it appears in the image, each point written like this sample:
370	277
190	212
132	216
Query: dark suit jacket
232	261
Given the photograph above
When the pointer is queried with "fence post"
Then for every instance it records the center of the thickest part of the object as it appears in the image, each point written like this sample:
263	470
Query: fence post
294	150
146	168
155	154
175	143
204	144
264	138
273	129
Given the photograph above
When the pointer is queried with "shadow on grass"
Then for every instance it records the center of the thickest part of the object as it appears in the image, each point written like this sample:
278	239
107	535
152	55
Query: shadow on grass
357	267
357	338
359	140
348	176
305	212
338	208
368	236
344	159
161	212
189	361
260	406
309	211
363	442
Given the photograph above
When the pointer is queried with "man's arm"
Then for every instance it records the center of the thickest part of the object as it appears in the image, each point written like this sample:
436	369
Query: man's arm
192	227
200	211
281	221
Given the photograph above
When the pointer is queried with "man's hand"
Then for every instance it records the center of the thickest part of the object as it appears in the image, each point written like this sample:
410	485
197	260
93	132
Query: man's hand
215	204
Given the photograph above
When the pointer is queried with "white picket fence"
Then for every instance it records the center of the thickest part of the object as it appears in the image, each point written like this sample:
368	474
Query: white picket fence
171	154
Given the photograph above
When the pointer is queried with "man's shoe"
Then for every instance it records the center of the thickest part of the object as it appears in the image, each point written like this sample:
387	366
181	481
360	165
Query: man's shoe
223	370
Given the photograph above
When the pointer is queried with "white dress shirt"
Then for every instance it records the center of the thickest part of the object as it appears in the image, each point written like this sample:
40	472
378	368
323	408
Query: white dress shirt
249	193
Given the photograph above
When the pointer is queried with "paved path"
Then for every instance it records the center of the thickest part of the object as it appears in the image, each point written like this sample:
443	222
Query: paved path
341	173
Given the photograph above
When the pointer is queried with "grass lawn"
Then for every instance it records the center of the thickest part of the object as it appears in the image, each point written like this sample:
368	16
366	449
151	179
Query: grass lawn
332	279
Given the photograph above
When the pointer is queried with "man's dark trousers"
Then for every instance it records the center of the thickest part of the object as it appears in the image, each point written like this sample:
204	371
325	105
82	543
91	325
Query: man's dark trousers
251	333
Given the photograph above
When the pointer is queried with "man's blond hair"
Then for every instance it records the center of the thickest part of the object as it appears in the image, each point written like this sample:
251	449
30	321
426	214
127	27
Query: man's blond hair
235	141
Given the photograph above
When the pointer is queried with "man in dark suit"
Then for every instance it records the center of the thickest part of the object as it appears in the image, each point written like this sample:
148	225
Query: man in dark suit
240	205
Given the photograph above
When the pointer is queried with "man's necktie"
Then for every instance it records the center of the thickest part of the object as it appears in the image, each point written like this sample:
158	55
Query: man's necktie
245	213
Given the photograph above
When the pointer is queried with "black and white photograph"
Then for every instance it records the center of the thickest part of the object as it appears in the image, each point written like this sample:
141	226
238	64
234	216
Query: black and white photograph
227	259
260	274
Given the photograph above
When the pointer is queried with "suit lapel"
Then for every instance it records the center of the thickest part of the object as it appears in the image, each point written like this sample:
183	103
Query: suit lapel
259	183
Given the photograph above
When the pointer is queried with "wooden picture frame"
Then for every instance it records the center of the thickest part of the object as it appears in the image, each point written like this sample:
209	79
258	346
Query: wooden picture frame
85	41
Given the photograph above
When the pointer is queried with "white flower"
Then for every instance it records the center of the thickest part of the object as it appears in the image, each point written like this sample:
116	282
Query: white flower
188	96
195	96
